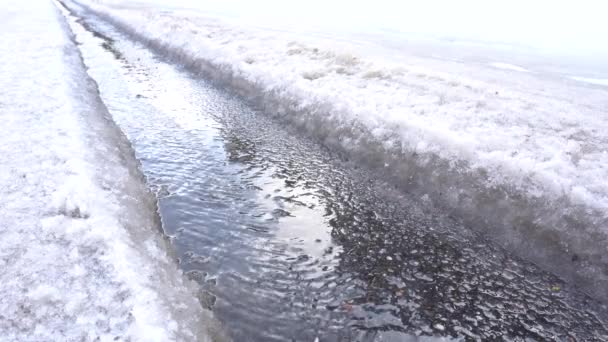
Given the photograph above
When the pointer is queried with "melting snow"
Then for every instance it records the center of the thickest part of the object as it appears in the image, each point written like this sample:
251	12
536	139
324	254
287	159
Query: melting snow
81	254
520	152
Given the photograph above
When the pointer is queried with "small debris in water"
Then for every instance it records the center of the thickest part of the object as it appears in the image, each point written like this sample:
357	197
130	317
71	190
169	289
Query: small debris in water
439	326
347	307
303	257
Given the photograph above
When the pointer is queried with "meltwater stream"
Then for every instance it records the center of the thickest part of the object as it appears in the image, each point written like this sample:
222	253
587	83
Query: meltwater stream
290	242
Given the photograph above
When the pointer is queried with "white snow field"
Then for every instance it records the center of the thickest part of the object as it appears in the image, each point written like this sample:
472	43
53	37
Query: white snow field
523	155
81	254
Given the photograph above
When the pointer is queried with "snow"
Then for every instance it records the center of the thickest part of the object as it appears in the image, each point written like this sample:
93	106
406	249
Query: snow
507	66
509	150
81	251
598	81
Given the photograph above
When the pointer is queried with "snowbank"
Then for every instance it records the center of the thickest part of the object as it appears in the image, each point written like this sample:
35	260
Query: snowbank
520	156
81	253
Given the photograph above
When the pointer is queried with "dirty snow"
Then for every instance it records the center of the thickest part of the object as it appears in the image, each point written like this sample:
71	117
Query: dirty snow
81	252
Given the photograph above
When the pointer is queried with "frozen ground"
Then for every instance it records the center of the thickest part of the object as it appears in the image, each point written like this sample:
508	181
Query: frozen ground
80	250
519	154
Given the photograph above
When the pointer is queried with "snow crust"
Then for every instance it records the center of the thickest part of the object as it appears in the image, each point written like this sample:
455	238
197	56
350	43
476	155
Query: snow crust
521	155
81	252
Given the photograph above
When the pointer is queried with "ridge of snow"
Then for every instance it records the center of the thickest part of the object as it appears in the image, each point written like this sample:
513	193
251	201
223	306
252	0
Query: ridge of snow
508	66
597	81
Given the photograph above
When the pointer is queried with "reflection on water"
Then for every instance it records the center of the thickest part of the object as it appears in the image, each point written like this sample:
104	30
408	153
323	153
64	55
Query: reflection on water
290	243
